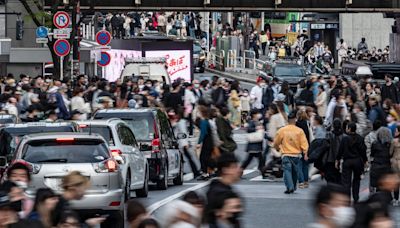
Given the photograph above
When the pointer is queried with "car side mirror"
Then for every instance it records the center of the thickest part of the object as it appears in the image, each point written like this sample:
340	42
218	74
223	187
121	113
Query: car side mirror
3	162
144	147
181	136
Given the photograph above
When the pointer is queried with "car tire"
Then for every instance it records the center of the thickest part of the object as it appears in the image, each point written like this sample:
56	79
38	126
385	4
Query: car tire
127	190
163	183
144	192
179	179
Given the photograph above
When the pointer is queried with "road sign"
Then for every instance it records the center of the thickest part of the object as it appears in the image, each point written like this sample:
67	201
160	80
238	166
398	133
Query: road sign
42	32
104	60
62	33
61	19
103	37
42	40
62	47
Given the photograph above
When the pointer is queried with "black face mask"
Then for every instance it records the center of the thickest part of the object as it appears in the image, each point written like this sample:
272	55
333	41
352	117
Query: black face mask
234	219
16	205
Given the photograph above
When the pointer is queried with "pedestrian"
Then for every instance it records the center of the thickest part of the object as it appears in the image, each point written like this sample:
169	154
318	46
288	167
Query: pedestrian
264	42
245	106
334	137
45	202
333	208
205	143
276	120
321	101
224	129
227	211
179	125
395	162
69	219
234	105
389	90
342	49
180	214
361	119
337	108
370	138
135	213
380	155
149	223
255	137
78	103
362	46
189	102
229	172
304	123
376	112
352	151
291	141
256	94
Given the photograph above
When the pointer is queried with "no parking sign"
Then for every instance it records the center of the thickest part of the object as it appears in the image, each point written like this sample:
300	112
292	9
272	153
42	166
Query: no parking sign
104	60
62	48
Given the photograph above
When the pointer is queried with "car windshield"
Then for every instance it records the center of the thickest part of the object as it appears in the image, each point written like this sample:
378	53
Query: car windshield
6	120
104	131
142	124
51	151
283	71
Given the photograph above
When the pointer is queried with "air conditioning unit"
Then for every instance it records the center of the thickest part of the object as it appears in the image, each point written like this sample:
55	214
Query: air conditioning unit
349	2
138	2
278	2
207	2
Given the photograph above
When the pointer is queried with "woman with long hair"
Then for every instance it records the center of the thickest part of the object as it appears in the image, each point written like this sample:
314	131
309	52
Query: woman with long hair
45	202
205	143
395	161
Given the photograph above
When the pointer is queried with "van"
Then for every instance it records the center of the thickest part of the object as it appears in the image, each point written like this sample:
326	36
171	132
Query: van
149	68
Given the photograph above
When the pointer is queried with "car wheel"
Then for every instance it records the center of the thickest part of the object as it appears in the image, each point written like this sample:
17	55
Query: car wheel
144	192
179	179
163	183
127	195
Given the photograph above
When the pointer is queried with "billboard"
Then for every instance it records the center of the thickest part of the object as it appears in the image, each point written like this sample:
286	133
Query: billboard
178	62
114	69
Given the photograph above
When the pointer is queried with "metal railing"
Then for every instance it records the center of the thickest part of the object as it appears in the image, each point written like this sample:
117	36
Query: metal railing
88	31
249	59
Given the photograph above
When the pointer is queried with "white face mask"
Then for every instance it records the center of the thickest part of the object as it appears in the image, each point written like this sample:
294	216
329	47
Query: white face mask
262	84
141	86
343	216
21	184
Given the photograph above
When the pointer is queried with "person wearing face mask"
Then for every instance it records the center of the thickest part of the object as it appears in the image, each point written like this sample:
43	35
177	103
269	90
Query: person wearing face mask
256	94
389	90
228	210
333	209
245	106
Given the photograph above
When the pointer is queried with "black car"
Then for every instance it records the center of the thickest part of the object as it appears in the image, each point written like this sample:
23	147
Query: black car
157	140
291	72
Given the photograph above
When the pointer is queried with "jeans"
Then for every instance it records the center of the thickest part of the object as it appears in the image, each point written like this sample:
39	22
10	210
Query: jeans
290	168
303	170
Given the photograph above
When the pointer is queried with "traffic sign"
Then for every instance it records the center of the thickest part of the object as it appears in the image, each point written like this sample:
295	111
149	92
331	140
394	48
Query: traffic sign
62	48
42	32
61	19
104	60
103	37
62	33
42	40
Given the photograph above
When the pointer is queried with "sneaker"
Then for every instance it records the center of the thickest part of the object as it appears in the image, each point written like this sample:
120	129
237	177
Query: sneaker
302	186
203	177
306	184
288	191
395	203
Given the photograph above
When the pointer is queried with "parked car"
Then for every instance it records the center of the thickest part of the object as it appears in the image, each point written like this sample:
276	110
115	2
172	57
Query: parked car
126	151
11	134
51	156
153	131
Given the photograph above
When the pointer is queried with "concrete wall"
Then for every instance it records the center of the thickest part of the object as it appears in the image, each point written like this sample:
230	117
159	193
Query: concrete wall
32	69
2	21
372	26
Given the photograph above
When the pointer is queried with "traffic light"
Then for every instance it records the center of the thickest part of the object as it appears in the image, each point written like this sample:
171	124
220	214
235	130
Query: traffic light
19	29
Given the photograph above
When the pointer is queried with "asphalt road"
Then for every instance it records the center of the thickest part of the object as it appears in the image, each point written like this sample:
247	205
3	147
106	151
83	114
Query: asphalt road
265	203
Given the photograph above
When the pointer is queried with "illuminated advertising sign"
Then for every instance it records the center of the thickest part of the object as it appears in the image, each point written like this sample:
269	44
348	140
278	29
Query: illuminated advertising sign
114	69
178	62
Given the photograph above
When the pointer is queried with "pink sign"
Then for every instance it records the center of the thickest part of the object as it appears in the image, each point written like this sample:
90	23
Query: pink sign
178	62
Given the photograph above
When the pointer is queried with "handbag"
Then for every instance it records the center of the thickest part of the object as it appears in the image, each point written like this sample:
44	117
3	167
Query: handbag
256	137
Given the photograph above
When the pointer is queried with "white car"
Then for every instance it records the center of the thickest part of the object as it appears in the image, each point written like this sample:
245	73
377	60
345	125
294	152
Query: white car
125	150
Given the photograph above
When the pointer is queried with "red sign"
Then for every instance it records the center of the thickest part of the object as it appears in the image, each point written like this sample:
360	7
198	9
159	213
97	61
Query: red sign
105	59
61	19
62	48
103	37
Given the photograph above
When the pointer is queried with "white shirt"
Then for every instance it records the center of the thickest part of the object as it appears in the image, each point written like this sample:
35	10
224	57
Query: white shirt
256	95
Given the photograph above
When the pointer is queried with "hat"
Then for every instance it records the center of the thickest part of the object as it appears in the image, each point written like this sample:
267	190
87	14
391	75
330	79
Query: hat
260	78
280	97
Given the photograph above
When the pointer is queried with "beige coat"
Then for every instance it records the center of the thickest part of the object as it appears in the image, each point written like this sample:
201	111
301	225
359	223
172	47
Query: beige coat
395	154
276	121
321	104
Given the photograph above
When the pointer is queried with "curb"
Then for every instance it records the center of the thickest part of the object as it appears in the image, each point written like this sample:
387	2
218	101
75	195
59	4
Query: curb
229	75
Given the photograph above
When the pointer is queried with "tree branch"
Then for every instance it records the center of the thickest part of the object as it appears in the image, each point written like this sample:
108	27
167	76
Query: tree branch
38	5
31	13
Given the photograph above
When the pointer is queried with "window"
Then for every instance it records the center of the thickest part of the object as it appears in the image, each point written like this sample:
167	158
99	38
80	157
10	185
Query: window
103	131
126	135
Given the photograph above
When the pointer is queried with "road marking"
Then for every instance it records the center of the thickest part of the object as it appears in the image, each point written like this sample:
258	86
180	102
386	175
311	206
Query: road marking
259	178
178	195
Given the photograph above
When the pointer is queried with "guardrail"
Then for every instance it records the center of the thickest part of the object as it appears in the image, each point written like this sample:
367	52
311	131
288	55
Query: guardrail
249	59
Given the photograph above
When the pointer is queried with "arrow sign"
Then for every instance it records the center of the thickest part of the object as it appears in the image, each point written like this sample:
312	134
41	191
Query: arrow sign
103	37
61	19
105	59
62	48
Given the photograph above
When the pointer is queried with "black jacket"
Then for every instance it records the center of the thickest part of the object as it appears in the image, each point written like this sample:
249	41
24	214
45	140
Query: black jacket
351	147
390	92
267	97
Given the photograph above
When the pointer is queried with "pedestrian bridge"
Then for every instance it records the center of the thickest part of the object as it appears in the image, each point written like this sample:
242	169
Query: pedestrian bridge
241	5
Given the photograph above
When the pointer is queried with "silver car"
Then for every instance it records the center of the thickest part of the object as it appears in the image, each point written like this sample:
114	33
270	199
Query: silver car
52	156
124	147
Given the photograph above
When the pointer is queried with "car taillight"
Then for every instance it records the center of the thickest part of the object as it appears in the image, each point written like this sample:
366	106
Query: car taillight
155	145
107	166
116	152
65	139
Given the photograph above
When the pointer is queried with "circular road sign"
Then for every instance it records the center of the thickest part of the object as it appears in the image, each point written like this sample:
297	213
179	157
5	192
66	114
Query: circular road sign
62	47
103	37
61	19
105	59
42	32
